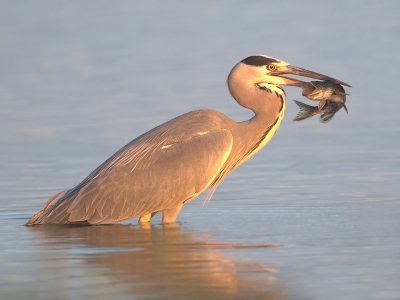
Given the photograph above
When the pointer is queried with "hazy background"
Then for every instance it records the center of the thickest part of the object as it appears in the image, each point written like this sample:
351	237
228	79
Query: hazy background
80	79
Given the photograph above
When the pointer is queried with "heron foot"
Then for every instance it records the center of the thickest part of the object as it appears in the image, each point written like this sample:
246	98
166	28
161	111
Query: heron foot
169	215
146	217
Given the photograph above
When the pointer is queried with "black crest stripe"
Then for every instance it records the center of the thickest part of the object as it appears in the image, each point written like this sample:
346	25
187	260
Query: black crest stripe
258	61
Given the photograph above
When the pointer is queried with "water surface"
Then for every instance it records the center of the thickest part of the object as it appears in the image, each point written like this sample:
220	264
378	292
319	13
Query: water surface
314	215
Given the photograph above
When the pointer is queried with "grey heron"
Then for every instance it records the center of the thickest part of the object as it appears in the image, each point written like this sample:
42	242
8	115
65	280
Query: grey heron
173	163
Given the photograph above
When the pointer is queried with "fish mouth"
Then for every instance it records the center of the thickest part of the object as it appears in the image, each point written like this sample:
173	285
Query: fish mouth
288	69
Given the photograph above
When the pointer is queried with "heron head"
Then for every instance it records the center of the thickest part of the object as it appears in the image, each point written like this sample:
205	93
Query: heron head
268	70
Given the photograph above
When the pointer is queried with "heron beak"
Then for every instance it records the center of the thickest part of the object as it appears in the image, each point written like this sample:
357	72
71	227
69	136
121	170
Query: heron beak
288	69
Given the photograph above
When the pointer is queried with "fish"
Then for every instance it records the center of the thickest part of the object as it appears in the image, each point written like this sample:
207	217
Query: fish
331	97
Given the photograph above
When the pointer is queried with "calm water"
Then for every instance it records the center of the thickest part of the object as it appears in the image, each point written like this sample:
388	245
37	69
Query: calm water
315	215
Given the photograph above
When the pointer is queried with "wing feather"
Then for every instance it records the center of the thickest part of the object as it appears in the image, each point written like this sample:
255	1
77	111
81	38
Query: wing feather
162	185
156	171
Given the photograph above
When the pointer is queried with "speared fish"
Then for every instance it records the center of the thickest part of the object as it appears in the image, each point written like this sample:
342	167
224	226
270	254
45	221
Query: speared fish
331	97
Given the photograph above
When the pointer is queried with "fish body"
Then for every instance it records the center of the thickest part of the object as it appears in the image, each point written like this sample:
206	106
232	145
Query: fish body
331	97
324	90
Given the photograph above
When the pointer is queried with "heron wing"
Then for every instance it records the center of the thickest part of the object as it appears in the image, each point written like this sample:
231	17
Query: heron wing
164	178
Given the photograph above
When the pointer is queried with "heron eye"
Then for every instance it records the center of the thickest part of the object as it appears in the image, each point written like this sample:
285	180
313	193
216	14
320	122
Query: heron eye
271	67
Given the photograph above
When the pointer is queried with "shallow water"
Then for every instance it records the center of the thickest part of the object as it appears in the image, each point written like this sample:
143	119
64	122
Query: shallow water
315	215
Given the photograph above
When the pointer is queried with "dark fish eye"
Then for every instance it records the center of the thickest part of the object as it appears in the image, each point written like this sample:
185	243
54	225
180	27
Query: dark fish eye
271	67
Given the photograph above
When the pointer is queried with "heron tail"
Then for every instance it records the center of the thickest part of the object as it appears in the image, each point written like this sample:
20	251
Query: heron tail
35	219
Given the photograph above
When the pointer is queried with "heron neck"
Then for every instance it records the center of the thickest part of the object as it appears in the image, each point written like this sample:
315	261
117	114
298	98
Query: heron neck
268	107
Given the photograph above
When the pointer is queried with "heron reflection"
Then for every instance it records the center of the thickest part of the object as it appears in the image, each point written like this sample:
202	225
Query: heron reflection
167	261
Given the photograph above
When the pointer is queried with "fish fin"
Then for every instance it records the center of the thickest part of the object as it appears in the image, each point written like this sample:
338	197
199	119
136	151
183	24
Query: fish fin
345	108
305	111
321	104
325	118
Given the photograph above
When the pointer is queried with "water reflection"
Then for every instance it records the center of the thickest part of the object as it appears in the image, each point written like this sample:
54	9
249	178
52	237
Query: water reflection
166	261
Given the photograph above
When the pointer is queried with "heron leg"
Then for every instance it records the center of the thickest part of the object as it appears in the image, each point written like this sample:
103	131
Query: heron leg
146	217
169	215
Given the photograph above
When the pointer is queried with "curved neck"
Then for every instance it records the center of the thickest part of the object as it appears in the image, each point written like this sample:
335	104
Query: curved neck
268	103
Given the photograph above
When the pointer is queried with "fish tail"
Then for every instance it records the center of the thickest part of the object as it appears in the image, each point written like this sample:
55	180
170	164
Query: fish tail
306	111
